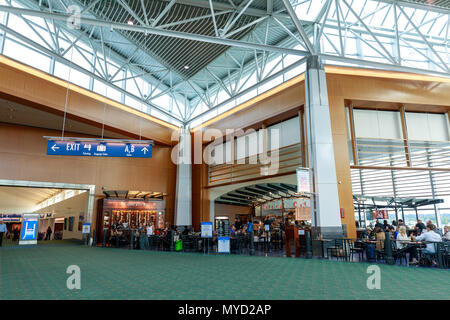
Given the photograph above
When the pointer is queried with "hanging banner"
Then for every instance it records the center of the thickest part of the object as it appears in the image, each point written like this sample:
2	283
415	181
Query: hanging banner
98	149
303	180
29	228
303	214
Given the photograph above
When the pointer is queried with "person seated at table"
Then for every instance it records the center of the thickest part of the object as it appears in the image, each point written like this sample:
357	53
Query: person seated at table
436	229
394	231
420	227
402	244
401	223
380	237
446	235
185	231
364	233
429	237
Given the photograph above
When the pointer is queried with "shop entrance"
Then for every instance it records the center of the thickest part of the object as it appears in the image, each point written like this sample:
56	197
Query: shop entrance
124	214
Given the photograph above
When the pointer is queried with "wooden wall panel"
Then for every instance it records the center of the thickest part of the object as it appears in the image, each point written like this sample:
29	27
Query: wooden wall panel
23	157
39	93
392	90
342	159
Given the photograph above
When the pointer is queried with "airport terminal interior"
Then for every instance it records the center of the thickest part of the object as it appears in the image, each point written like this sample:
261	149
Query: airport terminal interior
176	149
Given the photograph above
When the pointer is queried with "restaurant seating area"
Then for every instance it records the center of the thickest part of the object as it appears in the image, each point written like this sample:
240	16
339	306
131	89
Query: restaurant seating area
273	243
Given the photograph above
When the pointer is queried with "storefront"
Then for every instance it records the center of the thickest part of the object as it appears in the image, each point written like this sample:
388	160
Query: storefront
12	221
296	209
129	214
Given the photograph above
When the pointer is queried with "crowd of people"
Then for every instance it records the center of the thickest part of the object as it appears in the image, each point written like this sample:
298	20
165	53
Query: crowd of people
144	234
405	236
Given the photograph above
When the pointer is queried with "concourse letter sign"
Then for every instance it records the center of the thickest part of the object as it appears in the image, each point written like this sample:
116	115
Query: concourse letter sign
29	228
99	149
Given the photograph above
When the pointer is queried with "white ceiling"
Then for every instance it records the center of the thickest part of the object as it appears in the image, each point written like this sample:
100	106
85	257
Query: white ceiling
23	200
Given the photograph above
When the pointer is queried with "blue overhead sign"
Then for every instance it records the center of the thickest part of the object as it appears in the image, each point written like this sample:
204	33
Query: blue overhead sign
98	149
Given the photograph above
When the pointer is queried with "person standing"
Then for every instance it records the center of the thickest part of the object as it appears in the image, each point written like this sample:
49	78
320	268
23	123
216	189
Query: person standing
49	233
150	235
3	230
237	224
16	233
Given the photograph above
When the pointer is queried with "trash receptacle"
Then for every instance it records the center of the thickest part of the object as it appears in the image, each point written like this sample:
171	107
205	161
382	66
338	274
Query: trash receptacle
178	245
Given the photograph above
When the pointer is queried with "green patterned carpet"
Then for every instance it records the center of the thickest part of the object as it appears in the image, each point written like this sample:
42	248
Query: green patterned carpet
40	273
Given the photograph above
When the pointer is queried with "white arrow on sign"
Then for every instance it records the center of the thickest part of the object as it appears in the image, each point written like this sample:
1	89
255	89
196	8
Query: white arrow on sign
54	148
145	150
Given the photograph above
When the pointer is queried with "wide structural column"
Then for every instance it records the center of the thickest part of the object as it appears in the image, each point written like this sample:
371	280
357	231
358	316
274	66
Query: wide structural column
325	208
183	197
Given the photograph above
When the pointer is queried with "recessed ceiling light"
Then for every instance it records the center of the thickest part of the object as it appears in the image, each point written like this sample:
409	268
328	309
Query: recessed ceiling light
130	22
186	67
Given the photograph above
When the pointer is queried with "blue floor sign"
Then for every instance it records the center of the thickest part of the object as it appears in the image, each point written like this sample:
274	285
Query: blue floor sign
98	149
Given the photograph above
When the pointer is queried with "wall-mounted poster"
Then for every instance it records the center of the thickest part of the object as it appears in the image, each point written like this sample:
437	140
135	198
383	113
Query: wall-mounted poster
71	221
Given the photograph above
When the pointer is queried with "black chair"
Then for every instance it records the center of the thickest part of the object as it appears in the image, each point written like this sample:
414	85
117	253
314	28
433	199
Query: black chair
398	254
427	258
356	249
439	255
337	250
446	253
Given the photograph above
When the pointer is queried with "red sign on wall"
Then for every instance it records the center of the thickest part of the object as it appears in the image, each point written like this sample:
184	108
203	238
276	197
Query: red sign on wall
342	213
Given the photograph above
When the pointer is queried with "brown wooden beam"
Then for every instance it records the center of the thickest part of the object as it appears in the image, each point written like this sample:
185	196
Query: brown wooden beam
73	117
301	117
405	136
353	134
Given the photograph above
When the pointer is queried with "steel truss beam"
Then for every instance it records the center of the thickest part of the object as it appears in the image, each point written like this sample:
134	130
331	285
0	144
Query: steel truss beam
385	42
152	30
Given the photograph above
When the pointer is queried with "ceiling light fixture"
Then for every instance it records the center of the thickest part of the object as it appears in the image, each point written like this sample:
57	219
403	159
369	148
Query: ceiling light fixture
130	22
186	67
